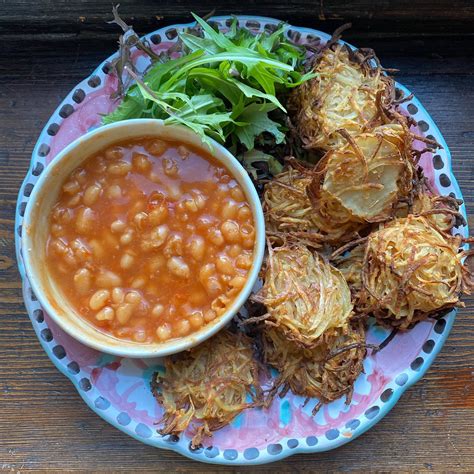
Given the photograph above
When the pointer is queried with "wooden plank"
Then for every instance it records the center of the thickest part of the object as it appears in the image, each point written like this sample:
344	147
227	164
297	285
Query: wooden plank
55	17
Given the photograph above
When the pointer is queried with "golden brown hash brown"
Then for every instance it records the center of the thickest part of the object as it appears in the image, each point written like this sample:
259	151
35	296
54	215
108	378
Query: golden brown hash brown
351	187
412	270
365	177
304	295
349	92
350	264
208	385
327	371
288	209
441	211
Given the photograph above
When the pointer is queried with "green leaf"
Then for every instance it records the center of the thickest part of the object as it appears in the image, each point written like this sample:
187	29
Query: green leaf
224	87
251	92
195	43
249	158
256	121
218	38
213	79
131	107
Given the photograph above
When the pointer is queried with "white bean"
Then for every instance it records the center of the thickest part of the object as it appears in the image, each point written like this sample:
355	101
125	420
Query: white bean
71	187
85	220
119	168
230	232
124	312
108	279
118	226
158	215
196	319
126	261
127	237
237	194
156	147
157	310
105	314
159	234
99	299
118	295
91	194
140	219
229	210
170	167
178	267
83	281
163	332
133	297
141	162
138	282
225	265
196	247
114	191
114	153
183	327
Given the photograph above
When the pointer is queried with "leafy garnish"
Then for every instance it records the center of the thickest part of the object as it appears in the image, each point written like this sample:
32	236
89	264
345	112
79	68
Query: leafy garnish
255	156
224	85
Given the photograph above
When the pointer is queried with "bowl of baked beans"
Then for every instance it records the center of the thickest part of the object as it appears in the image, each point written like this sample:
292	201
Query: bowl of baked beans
140	240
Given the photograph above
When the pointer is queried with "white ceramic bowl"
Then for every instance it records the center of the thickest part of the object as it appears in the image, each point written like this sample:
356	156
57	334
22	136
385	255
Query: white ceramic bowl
36	224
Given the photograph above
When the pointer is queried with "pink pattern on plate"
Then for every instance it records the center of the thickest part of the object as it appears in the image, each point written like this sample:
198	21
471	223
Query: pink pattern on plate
83	355
88	114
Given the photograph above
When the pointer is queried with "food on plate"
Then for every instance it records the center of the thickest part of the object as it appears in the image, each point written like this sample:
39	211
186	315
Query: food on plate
350	264
362	180
150	240
327	372
305	297
286	203
349	92
223	85
411	270
288	209
208	386
352	186
441	211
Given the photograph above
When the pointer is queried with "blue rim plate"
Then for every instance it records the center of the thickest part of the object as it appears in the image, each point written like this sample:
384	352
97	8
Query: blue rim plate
133	410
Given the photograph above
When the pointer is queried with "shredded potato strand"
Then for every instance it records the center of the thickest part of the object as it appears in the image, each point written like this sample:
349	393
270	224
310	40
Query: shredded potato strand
210	385
315	372
411	270
304	295
347	93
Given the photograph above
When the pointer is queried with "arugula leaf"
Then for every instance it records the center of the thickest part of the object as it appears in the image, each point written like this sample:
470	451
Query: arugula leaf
255	156
255	121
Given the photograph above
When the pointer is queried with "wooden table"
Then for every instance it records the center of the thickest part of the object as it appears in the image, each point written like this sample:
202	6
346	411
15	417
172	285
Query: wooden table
49	46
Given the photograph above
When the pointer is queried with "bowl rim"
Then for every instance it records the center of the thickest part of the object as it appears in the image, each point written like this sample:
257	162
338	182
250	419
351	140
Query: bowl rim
136	349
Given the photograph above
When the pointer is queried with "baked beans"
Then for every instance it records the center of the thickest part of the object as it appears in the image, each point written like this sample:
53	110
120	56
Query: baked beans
150	240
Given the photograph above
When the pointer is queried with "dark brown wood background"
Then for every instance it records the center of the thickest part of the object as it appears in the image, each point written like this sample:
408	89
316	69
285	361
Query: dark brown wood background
47	47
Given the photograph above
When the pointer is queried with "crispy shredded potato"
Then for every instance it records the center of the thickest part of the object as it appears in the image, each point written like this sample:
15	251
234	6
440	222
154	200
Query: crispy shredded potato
305	296
412	270
441	211
286	204
327	371
365	178
348	93
288	209
209	385
350	265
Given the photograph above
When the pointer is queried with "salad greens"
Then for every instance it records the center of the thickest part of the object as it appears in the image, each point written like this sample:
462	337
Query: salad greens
223	85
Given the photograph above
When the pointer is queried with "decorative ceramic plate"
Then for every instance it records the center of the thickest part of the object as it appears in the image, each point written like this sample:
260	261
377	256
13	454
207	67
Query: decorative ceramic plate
118	389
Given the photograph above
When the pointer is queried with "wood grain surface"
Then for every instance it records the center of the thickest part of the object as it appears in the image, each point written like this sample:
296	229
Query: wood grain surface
49	46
